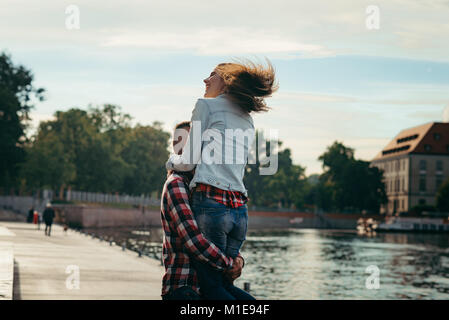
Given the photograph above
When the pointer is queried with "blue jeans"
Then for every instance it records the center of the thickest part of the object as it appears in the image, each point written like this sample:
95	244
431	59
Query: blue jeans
225	227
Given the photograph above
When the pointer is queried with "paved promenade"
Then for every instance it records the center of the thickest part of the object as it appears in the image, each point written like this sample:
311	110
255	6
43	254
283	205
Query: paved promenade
47	267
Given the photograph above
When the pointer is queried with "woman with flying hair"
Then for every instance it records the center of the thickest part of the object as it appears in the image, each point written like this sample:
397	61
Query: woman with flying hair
233	92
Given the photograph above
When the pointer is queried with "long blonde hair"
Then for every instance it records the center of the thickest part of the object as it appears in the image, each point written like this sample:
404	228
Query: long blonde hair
248	83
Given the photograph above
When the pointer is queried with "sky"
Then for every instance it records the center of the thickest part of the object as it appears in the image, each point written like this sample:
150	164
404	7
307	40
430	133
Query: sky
346	72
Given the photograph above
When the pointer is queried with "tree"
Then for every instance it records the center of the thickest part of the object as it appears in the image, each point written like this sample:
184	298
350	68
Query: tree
98	151
443	197
47	165
350	184
146	152
16	100
286	188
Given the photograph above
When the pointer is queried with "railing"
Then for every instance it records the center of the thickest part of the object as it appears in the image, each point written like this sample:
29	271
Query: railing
95	197
21	204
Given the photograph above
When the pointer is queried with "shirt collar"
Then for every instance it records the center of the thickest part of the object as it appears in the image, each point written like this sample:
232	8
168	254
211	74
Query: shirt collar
185	175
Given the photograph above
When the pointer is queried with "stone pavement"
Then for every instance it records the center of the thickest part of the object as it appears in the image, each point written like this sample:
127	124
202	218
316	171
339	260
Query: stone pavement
73	266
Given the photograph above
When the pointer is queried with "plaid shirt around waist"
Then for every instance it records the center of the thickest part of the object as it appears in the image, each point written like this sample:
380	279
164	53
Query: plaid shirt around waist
233	199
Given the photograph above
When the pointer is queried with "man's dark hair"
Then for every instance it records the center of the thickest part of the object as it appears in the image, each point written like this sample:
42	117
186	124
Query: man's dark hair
183	124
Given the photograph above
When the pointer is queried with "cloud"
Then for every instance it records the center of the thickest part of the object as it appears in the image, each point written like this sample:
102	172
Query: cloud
311	97
289	29
446	114
218	41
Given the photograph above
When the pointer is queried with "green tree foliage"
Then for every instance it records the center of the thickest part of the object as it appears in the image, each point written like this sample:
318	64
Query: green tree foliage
349	184
16	99
319	194
286	188
98	151
443	197
146	152
47	164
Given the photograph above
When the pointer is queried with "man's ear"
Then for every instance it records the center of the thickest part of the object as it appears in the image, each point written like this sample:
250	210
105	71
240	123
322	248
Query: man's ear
179	136
178	150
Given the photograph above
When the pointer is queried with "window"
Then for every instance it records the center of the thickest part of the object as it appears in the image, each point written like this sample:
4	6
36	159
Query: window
413	137
423	165
396	150
437	136
427	147
439	165
422	183
439	181
402	204
403	184
422	201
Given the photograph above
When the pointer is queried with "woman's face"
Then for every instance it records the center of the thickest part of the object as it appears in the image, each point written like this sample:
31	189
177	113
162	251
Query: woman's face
214	85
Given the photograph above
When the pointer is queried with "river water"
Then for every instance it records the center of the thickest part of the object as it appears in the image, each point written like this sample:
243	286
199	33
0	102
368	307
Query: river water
322	264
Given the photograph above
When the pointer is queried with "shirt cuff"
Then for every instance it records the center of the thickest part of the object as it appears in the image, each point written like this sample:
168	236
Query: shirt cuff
231	263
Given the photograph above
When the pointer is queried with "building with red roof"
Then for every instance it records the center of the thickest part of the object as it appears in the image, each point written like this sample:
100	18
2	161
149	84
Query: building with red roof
415	164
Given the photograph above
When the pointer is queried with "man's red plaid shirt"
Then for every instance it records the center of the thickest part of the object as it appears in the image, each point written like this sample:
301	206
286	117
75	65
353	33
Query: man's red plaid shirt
183	239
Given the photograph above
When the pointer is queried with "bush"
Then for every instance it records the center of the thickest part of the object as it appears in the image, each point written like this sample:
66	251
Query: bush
418	209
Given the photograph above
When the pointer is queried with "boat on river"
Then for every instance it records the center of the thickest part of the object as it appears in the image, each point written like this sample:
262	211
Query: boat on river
429	222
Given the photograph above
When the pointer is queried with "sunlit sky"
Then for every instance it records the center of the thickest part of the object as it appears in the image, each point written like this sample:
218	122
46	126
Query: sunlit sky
338	79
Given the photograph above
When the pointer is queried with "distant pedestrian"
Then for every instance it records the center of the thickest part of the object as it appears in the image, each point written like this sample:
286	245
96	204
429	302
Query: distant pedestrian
37	219
48	215
30	215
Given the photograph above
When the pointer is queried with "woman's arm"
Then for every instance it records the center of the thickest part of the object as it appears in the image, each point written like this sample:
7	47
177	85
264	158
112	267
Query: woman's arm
190	157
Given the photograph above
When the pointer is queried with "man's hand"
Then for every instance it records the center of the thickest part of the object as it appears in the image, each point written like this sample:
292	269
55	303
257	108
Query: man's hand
236	270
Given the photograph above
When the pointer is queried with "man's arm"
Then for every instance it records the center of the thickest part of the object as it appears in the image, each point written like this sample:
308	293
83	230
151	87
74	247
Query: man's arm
187	229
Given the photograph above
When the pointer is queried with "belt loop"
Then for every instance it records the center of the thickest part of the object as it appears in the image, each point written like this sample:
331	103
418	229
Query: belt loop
199	194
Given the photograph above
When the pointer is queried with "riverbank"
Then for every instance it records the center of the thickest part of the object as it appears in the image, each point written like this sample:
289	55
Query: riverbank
94	216
69	265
